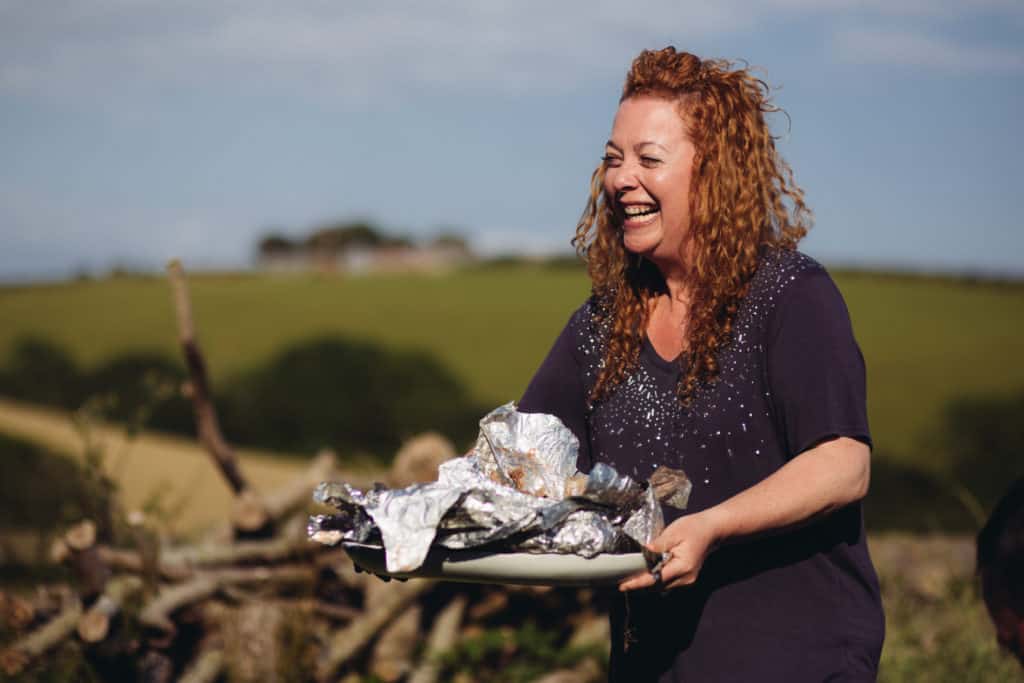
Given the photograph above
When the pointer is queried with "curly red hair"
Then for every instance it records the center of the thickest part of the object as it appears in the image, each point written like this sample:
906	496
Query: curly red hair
742	199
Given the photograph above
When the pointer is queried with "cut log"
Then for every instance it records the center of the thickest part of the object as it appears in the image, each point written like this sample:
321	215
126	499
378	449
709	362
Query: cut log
443	636
252	644
418	459
249	513
279	503
59	551
349	641
81	536
94	625
17	656
90	570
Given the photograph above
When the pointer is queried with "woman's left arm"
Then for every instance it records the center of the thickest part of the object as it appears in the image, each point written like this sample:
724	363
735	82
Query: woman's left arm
821	479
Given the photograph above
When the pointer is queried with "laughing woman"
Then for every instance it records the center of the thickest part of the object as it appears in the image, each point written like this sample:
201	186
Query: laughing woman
712	345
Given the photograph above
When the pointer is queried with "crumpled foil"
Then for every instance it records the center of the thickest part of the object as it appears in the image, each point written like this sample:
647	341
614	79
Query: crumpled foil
518	489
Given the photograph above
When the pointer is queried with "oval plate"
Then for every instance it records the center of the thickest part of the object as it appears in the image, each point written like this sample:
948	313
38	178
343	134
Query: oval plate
474	566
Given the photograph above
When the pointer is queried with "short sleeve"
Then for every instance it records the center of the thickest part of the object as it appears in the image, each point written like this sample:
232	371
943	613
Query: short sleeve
557	388
815	369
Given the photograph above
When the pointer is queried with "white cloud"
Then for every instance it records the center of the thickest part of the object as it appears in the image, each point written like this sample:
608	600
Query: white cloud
358	46
884	46
357	49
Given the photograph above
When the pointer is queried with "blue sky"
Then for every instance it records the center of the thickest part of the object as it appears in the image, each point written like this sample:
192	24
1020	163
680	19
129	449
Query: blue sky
133	131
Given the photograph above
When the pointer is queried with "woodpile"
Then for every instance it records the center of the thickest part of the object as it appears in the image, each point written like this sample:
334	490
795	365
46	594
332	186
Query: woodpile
255	600
224	611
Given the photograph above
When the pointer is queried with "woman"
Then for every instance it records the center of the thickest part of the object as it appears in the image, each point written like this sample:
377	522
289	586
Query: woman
712	345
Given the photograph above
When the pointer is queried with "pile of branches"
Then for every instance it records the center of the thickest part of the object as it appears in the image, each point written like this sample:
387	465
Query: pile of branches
283	608
255	600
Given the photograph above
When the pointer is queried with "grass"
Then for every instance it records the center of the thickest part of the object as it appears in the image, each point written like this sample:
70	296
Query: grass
926	340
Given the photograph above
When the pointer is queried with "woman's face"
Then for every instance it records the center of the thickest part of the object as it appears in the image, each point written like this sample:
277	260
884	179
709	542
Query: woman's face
649	161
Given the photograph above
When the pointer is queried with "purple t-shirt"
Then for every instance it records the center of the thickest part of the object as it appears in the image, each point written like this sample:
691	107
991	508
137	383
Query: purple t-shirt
799	605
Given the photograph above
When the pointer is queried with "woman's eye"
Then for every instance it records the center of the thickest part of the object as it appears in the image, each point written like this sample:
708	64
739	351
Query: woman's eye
610	160
649	161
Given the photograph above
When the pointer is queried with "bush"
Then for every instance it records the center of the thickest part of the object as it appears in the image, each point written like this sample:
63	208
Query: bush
43	491
349	395
142	388
42	372
983	442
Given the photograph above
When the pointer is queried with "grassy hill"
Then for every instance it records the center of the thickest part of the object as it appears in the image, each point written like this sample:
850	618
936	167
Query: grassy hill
926	340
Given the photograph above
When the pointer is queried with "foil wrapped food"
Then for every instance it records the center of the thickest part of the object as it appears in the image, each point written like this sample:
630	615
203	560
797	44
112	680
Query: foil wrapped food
517	490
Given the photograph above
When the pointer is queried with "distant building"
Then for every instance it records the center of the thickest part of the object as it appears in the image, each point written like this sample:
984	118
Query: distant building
359	248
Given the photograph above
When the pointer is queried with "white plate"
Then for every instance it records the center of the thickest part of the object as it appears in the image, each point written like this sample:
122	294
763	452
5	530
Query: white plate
475	566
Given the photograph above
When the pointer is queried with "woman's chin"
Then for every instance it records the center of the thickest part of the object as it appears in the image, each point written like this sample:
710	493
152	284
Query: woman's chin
639	246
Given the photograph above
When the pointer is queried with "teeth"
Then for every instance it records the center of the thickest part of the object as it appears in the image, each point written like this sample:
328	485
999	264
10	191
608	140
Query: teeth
639	210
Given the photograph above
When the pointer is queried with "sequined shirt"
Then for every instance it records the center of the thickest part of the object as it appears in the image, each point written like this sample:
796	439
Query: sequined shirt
799	605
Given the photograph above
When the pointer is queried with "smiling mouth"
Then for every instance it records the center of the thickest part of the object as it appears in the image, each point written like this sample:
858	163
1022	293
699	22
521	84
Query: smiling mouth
636	214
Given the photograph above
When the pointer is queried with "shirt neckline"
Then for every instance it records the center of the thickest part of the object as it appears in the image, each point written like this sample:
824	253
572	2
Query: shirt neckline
651	354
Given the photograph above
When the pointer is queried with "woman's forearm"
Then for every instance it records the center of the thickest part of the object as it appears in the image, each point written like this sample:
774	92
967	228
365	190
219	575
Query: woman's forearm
824	478
828	476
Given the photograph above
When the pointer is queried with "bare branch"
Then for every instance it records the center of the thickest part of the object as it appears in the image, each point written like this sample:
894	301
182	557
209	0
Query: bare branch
205	669
349	641
157	613
94	625
207	424
443	636
17	656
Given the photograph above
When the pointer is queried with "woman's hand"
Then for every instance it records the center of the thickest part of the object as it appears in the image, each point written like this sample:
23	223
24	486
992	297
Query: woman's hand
689	539
818	481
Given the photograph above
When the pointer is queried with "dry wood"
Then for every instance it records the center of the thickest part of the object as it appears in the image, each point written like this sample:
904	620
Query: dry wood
592	630
17	656
252	643
393	653
182	562
494	602
155	667
443	635
90	569
249	514
94	625
418	459
59	551
205	668
81	536
280	574
276	505
241	552
298	493
207	424
587	671
123	560
156	614
17	612
349	641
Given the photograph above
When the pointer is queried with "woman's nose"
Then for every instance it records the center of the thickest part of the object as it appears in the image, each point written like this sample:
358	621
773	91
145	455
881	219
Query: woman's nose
623	178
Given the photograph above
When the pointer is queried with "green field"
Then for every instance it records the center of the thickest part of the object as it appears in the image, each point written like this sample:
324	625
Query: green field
926	340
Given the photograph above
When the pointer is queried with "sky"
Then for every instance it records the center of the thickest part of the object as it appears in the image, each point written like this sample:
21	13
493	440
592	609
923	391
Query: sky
135	131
